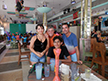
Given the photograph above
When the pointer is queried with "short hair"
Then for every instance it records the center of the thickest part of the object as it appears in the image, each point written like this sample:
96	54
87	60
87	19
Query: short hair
66	24
57	37
51	26
40	26
97	32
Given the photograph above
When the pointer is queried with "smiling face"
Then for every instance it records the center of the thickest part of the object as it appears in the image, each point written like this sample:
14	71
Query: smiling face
57	43
50	32
65	29
40	30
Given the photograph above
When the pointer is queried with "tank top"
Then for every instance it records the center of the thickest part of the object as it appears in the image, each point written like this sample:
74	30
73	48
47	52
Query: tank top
40	46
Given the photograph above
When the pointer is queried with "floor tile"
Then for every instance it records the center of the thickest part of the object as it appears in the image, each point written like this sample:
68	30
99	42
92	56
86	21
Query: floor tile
9	66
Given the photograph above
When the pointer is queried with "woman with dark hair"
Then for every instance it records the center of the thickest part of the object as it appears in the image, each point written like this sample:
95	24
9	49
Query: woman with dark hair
39	44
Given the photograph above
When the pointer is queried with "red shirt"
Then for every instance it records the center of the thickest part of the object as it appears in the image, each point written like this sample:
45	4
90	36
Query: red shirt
17	37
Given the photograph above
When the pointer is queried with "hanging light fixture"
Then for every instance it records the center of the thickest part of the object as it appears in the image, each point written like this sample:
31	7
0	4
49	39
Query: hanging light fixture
4	6
73	1
44	8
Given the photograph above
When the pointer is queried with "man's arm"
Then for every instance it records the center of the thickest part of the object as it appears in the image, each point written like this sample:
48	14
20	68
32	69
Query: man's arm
49	55
77	53
66	60
48	60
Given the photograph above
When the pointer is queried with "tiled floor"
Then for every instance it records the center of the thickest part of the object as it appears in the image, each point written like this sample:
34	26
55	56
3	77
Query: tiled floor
9	69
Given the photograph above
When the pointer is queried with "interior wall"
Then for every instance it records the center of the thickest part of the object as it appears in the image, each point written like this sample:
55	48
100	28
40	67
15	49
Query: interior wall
1	30
76	31
6	27
31	28
55	25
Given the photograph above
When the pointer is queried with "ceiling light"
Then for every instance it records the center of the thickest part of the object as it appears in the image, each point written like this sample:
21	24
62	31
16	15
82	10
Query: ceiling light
44	8
73	1
4	6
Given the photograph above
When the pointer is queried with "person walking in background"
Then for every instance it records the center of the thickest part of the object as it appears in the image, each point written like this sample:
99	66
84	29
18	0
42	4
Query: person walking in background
39	44
70	42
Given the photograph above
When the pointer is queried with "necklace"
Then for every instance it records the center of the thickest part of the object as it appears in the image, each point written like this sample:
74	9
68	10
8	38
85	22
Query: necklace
40	38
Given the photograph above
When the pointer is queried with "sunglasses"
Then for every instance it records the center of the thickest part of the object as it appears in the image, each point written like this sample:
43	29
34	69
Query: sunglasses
42	45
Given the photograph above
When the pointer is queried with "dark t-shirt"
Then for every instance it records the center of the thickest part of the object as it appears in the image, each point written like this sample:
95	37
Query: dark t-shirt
97	38
64	51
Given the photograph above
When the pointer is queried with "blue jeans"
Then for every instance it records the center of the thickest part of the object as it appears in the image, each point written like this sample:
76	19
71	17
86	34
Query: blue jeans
73	57
35	58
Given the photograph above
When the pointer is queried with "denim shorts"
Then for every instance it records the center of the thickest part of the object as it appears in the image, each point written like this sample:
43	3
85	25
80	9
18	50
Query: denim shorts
35	58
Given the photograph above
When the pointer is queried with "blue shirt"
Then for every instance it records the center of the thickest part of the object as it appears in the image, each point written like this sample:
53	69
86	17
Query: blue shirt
70	42
13	37
25	39
8	38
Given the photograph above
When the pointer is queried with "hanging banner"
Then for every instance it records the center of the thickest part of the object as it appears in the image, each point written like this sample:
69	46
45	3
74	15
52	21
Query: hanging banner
75	15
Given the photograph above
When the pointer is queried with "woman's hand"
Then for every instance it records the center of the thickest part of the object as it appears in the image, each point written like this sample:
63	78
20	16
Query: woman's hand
39	54
42	53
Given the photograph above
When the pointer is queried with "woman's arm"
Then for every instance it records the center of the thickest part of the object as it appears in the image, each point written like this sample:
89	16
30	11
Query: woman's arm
32	45
47	47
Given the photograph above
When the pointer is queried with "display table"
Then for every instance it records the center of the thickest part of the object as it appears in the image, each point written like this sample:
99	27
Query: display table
32	76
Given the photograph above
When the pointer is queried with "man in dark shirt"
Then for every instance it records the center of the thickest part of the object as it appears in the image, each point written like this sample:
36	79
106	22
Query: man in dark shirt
57	41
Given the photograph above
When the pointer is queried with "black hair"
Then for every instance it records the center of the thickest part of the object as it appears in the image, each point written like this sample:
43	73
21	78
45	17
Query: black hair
66	24
40	26
57	37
